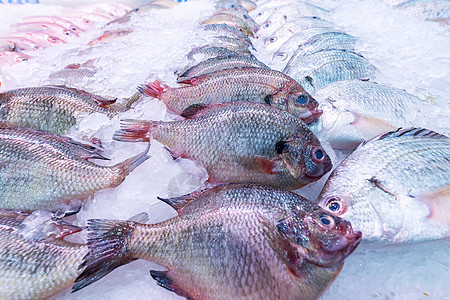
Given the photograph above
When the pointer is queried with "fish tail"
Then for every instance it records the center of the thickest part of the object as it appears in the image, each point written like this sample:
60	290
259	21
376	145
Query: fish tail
134	131
153	89
133	162
109	248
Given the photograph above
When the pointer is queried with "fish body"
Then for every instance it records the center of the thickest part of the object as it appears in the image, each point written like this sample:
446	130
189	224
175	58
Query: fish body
231	44
42	170
51	108
34	269
426	9
395	188
307	9
50	28
274	41
57	20
289	47
8	58
18	44
240	142
221	63
229	31
71	77
209	51
110	36
318	69
244	17
231	20
356	110
238	84
44	39
232	245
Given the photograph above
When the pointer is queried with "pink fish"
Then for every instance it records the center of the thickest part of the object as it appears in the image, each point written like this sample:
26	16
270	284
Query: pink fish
18	44
40	37
51	28
81	22
57	20
8	58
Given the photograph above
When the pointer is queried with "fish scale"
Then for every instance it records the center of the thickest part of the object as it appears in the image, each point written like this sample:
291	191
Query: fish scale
41	170
229	245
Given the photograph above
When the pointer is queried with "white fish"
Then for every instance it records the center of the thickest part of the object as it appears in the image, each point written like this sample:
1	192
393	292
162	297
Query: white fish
394	188
356	110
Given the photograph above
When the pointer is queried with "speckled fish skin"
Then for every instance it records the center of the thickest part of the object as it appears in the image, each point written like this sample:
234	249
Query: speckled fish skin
229	31
51	108
355	111
42	170
244	17
241	142
239	84
316	70
426	9
221	63
35	269
282	56
395	188
230	43
209	51
210	257
307	9
231	20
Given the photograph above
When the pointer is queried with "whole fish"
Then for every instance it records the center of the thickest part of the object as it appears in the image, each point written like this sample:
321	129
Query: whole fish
71	77
284	247
228	5
307	9
110	36
61	21
229	31
8	58
426	9
231	20
52	108
239	84
231	44
35	269
356	110
221	63
42	170
18	44
42	38
50	28
395	188
207	52
244	17
281	57
315	70
240	142
273	42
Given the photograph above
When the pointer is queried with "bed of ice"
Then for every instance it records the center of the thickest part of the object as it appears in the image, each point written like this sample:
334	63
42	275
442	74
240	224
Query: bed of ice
409	53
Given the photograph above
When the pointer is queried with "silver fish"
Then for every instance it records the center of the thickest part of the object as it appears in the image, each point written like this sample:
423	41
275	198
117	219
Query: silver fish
426	9
395	188
229	31
316	70
207	52
265	10
284	247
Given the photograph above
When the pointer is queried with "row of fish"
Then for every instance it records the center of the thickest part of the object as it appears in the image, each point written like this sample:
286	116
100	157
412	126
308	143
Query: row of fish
279	244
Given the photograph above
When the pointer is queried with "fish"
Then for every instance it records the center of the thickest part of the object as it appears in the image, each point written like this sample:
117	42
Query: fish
284	247
53	108
18	44
61	21
274	41
36	269
394	188
8	58
42	38
229	31
47	27
221	63
306	9
229	43
425	9
244	17
81	22
110	36
230	20
284	53
239	142
208	51
356	110
238	84
43	170
315	70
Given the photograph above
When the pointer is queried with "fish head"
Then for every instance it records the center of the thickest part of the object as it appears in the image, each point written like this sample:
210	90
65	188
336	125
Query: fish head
305	161
302	104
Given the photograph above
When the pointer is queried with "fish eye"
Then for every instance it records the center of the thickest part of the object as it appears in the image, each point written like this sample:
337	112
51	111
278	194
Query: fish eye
73	28
272	40
260	14
326	221
67	32
283	55
301	100
335	205
52	40
317	155
21	59
267	24
245	16
281	147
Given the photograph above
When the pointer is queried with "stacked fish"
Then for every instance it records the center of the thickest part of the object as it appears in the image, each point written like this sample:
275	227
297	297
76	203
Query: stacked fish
251	125
39	32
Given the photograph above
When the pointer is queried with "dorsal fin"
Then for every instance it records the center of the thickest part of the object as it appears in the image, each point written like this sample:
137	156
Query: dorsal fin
418	132
178	203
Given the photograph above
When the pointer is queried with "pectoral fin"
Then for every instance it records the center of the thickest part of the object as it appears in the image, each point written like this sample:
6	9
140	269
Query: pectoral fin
438	202
163	279
371	126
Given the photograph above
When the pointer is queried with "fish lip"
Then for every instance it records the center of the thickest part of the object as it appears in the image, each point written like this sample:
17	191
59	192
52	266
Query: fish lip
314	115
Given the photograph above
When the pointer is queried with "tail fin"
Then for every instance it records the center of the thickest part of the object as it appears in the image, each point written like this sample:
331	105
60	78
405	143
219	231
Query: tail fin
153	89
108	249
133	162
134	131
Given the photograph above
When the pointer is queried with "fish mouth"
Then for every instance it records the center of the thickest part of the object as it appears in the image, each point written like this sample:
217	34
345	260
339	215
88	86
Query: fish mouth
313	116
